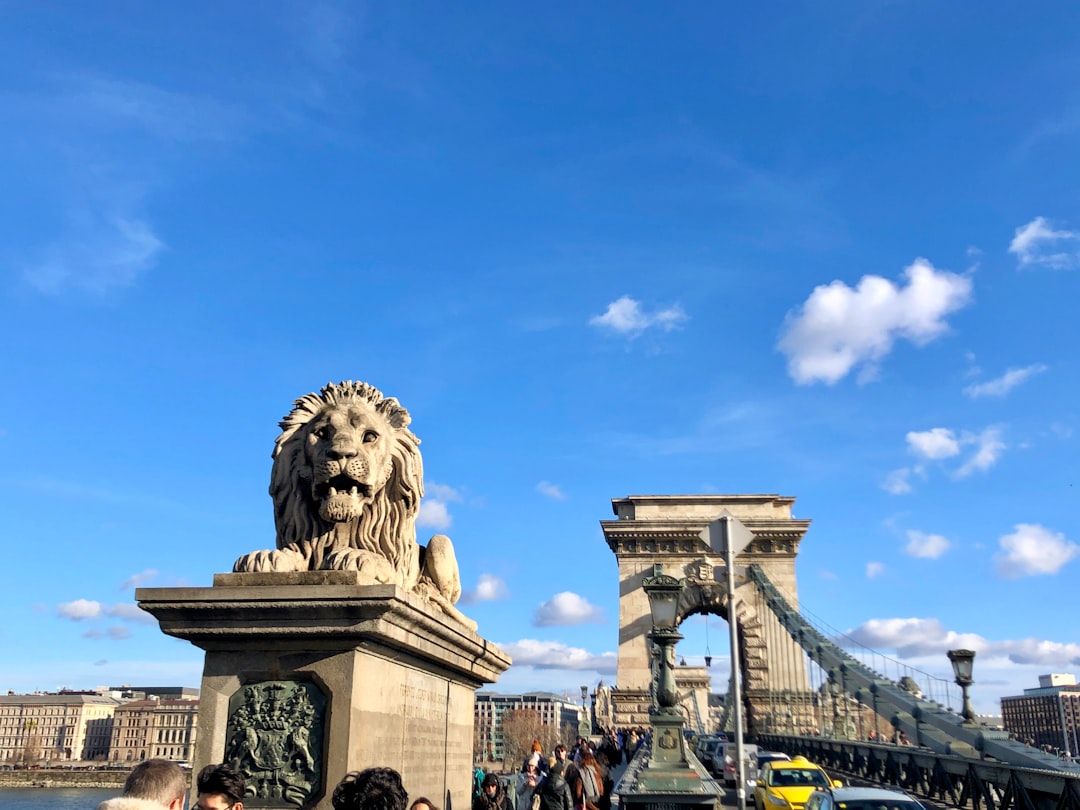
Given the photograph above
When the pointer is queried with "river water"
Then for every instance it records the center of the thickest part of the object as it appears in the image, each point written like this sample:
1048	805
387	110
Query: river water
54	798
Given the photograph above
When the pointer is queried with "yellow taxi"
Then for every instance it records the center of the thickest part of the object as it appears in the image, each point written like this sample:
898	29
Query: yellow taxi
786	785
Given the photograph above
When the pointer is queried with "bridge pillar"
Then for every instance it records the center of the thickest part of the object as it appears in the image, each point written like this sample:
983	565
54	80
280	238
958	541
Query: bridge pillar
665	529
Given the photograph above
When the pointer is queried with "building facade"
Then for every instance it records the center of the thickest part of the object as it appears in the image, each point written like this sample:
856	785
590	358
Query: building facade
556	712
155	729
1047	717
60	727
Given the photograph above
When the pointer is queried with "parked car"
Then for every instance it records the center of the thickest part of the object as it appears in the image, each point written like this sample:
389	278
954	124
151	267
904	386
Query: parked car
787	784
861	798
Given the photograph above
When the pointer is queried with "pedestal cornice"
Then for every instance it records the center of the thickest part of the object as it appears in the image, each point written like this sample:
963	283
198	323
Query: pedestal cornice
318	610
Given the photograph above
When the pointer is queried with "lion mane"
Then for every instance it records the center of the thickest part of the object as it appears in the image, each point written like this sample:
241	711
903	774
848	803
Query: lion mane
387	523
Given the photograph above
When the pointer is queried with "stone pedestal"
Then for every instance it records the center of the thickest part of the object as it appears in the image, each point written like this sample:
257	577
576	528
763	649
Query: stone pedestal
398	679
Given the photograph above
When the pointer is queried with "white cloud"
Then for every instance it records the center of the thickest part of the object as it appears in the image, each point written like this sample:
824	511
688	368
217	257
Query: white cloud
1037	244
1002	385
926	546
551	490
131	612
897	483
97	257
489	588
435	507
942	443
556	655
874	569
626	317
1033	550
918	637
988	447
139	579
839	328
79	609
935	443
566	609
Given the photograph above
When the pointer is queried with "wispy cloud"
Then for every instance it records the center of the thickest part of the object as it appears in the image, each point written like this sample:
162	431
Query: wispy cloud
97	256
551	490
988	449
489	588
925	546
115	632
625	316
139	579
1038	244
566	609
938	444
88	609
839	328
556	655
1033	550
435	507
1002	385
874	569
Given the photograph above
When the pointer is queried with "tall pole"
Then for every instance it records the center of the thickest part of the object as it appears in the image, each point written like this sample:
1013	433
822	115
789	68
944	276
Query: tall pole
736	673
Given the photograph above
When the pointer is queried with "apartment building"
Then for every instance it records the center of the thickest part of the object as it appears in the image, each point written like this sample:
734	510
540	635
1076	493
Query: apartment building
55	727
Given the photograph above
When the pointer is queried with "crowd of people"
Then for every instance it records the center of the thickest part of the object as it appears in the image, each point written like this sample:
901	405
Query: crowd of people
575	778
158	783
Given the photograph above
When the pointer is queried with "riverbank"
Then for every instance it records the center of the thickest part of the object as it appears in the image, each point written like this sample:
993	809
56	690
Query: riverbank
55	778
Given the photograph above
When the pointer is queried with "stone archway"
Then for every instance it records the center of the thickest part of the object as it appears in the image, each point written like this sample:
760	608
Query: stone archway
664	530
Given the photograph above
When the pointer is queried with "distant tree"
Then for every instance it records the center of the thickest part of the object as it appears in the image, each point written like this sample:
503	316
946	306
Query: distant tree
519	728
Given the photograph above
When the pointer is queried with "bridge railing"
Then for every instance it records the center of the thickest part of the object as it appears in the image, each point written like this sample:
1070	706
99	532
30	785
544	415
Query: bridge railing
948	779
925	723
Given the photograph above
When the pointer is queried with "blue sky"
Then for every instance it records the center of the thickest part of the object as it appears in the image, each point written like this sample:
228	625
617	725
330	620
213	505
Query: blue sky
824	250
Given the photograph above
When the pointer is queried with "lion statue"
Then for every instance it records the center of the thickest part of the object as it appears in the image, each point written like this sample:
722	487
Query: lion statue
346	484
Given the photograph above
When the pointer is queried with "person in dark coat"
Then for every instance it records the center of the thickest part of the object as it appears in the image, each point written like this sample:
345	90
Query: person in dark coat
493	795
555	790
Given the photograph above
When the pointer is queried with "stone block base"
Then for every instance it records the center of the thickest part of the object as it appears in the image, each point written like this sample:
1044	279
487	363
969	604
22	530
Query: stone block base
398	678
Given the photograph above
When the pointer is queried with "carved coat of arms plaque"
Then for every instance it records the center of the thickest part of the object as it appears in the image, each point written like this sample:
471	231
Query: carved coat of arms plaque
274	738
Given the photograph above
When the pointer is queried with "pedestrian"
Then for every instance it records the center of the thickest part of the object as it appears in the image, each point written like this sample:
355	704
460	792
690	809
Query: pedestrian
555	792
527	782
151	785
493	795
370	789
219	787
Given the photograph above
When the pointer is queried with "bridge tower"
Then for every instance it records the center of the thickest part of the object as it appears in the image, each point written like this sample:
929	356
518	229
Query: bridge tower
664	529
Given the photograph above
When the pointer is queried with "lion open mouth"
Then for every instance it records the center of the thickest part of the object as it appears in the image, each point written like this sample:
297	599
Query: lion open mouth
341	498
341	484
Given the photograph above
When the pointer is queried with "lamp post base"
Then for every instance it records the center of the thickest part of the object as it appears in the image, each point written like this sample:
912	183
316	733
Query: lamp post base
668	769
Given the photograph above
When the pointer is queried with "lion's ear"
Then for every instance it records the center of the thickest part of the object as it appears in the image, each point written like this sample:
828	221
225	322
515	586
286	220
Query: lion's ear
396	415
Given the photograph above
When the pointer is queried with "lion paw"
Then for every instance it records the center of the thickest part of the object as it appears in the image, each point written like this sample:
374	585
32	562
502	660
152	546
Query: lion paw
285	559
375	569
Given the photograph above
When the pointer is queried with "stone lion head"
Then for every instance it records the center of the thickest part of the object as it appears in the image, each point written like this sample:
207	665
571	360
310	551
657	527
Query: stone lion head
347	474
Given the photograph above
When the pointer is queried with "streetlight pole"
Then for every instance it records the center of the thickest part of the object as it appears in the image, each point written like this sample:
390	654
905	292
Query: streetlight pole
668	769
963	662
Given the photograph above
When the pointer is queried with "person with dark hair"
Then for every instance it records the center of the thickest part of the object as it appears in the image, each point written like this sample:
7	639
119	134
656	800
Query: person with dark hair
219	788
555	793
423	803
151	785
370	789
493	795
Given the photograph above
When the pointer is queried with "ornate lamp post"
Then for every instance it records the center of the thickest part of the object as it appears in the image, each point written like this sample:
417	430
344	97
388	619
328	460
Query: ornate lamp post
963	662
584	719
668	769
